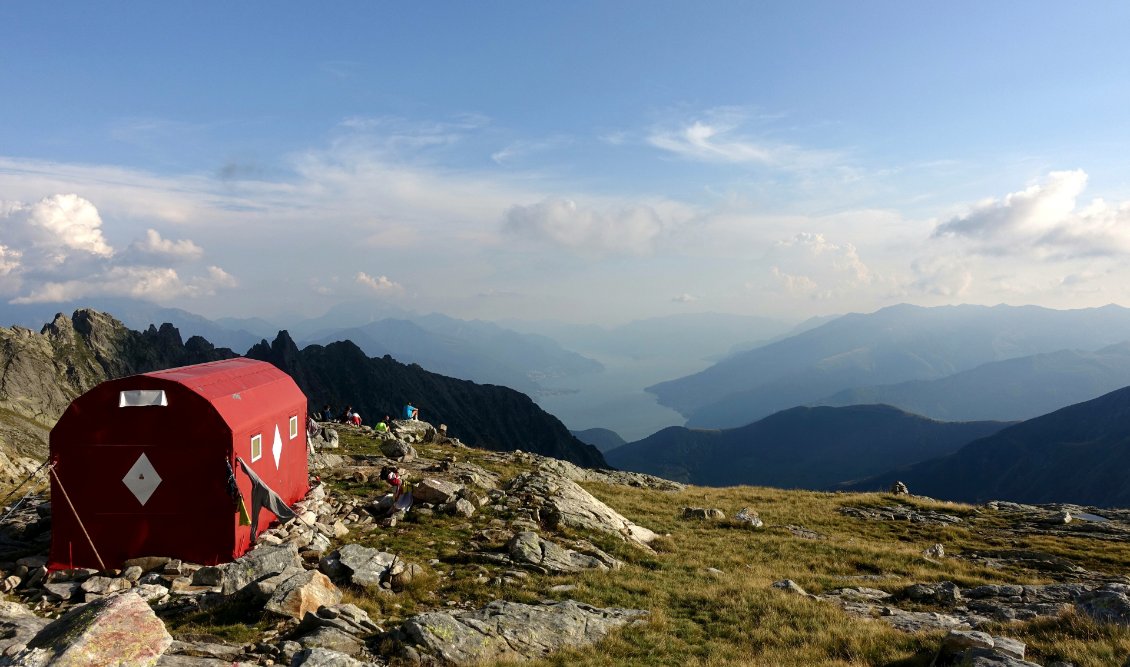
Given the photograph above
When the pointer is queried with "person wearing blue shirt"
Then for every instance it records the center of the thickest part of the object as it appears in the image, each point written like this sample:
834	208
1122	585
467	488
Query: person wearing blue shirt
411	412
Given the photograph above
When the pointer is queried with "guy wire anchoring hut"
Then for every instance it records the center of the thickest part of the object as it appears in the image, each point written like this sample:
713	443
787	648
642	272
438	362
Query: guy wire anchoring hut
140	465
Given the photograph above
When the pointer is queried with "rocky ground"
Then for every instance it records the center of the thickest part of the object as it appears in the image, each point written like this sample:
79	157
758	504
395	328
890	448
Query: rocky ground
346	584
294	579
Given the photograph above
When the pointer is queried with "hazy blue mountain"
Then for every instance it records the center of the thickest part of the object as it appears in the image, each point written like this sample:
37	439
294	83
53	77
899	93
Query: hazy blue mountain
255	325
694	335
636	355
541	357
477	351
807	325
896	344
1010	390
601	438
1078	454
811	448
345	315
410	343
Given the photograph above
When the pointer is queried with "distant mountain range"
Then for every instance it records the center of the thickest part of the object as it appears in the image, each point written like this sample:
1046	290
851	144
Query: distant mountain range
473	350
810	448
893	345
1078	454
661	339
1011	390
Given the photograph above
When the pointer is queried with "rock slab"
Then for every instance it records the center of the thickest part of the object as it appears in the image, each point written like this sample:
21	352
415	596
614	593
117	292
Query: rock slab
511	631
565	502
116	630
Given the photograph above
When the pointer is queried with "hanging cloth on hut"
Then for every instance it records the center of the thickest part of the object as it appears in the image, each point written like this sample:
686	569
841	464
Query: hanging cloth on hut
262	496
236	496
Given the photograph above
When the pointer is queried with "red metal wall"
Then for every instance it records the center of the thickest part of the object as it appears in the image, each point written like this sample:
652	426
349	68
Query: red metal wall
190	514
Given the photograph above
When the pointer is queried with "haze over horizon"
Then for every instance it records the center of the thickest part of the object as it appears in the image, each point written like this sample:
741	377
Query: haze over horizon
589	162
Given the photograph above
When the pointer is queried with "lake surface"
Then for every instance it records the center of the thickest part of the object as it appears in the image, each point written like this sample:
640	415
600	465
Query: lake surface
615	399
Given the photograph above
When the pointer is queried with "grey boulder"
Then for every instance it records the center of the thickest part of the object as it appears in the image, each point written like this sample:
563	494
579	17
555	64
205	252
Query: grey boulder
510	631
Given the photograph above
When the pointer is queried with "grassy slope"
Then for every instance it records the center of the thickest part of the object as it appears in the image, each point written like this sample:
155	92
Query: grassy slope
732	618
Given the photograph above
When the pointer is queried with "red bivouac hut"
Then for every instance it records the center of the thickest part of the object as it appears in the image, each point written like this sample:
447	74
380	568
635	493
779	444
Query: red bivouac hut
140	464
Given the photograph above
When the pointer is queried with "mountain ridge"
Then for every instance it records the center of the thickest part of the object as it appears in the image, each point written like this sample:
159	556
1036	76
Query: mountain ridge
1077	454
802	447
489	416
895	344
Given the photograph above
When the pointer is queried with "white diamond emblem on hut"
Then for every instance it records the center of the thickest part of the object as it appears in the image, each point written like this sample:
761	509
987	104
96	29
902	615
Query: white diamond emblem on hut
142	480
276	448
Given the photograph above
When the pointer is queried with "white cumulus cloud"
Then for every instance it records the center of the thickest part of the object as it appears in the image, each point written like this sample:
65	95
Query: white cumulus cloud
1045	220
378	284
808	264
155	246
139	282
54	250
941	276
53	230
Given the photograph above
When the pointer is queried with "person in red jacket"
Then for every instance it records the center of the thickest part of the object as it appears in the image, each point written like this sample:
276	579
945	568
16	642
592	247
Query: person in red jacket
402	495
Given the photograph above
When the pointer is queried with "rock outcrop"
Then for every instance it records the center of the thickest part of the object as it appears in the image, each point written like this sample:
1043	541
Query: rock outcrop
509	631
41	373
119	629
561	501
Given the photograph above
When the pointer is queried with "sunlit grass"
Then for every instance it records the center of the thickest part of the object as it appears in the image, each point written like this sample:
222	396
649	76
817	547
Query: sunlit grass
707	585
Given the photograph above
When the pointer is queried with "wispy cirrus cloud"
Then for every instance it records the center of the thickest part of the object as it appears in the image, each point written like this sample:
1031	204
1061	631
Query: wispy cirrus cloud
518	150
724	136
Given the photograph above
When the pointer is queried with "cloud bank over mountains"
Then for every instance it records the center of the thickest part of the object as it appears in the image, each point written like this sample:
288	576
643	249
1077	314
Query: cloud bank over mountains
55	250
389	209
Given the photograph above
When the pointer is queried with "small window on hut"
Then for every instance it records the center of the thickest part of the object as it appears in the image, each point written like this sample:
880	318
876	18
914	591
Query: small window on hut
256	448
293	427
136	398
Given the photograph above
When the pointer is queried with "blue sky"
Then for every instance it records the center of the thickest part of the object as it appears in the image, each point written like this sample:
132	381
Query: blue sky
593	162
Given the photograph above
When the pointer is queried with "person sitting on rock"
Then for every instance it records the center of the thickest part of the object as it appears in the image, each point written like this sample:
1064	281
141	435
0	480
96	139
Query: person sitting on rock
382	426
355	419
402	495
411	412
313	428
346	415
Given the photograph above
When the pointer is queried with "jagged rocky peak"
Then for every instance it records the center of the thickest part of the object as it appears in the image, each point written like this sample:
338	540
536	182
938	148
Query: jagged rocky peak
60	327
87	321
41	373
